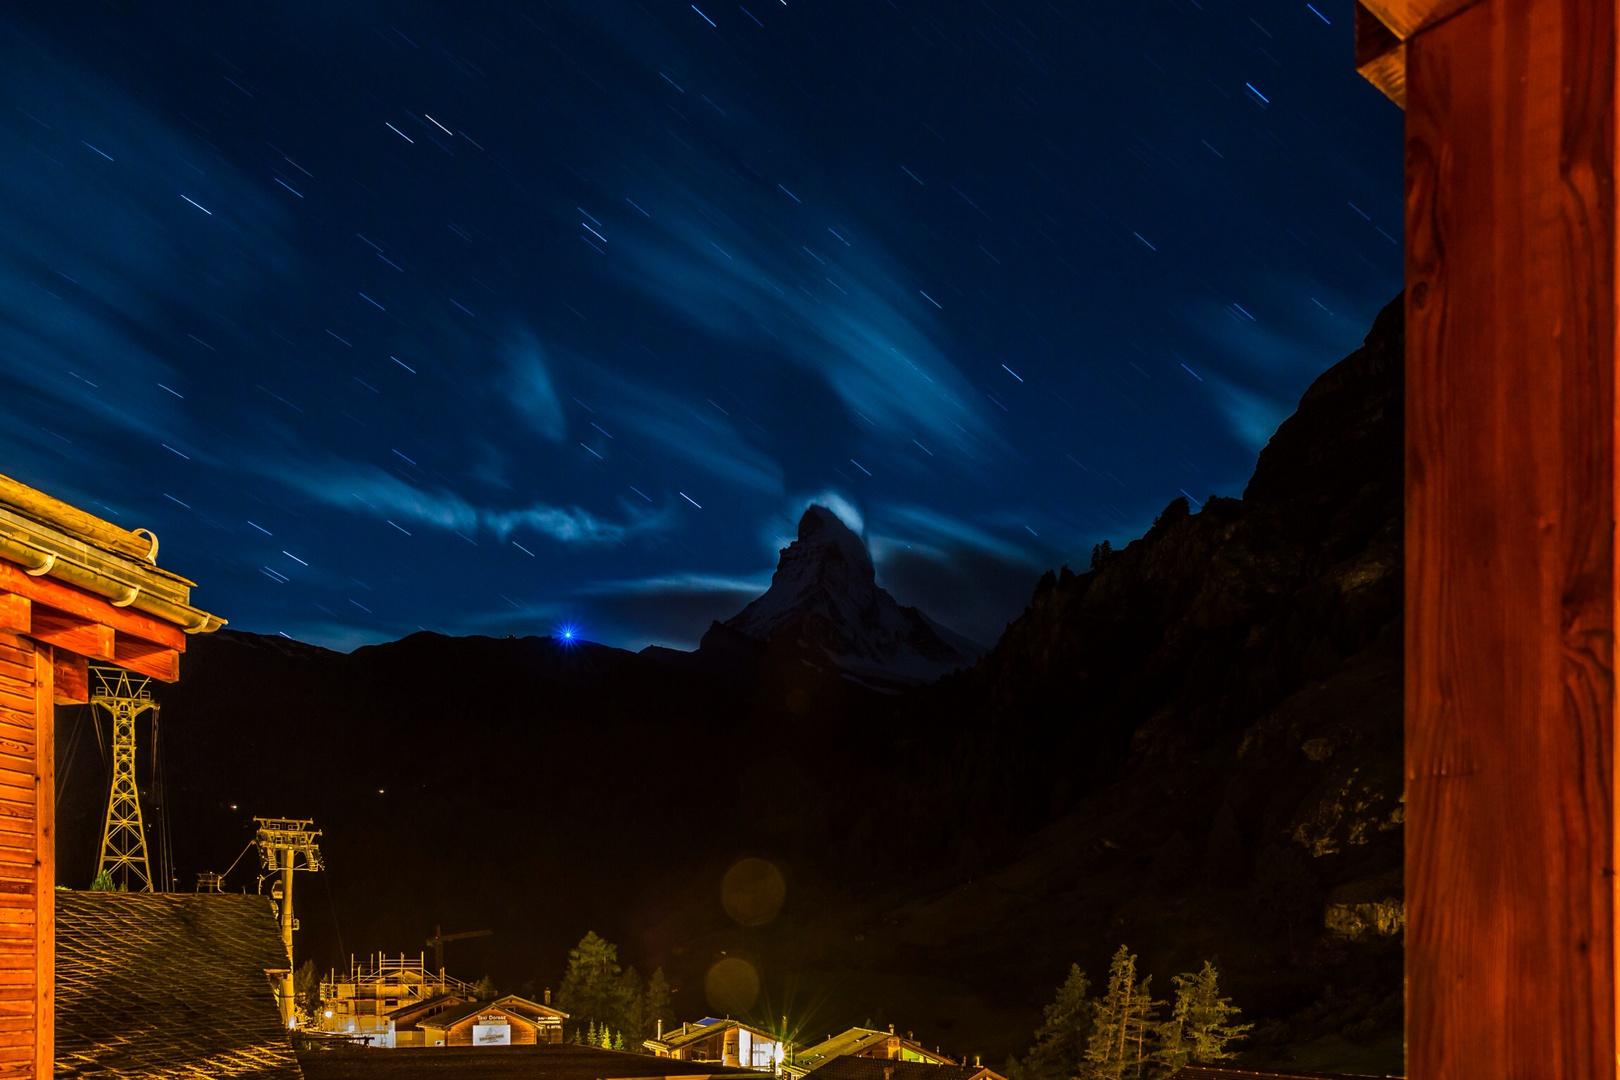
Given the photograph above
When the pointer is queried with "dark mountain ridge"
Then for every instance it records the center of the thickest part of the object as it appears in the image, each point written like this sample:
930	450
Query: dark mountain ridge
1193	747
825	608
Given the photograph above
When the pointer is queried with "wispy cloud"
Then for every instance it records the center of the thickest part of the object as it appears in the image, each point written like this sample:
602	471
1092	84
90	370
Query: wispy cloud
375	492
839	312
529	386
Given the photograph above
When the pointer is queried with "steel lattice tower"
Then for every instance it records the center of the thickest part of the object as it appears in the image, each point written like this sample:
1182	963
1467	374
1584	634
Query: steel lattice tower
123	837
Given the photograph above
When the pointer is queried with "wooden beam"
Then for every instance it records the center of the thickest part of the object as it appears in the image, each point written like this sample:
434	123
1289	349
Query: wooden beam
44	973
146	658
71	675
1406	17
1510	551
44	590
15	617
1380	55
65	630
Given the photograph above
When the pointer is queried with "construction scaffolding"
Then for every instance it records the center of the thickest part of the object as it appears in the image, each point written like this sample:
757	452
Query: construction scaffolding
123	836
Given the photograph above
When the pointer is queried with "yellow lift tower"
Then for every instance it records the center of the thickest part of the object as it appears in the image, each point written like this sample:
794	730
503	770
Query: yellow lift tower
123	837
281	841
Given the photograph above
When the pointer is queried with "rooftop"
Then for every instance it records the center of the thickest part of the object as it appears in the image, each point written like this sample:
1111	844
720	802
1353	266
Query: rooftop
853	1041
168	986
503	1063
49	538
860	1068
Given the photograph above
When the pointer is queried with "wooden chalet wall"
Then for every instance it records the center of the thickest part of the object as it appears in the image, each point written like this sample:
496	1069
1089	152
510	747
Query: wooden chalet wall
73	589
1510	515
27	855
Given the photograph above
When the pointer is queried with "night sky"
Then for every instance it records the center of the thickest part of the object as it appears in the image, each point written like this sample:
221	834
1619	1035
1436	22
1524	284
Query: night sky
504	318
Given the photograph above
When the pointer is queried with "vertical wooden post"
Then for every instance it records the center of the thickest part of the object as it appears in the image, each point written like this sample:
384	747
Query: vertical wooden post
44	861
1510	557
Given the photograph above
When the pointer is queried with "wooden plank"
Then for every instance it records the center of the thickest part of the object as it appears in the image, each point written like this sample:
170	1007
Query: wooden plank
1406	17
14	613
1510	557
44	590
45	875
71	675
147	658
75	633
1380	55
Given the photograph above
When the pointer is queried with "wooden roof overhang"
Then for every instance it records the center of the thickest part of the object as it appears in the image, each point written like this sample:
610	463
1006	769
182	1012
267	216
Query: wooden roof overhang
91	590
1512	474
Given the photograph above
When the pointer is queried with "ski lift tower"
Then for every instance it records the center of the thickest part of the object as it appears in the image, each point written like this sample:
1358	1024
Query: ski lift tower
281	843
123	836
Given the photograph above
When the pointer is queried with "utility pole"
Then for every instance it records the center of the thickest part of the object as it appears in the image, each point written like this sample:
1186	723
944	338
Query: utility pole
123	834
281	841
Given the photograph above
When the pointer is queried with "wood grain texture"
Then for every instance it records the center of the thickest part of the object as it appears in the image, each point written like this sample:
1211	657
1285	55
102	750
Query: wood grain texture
44	590
1406	17
1510	572
44	868
21	689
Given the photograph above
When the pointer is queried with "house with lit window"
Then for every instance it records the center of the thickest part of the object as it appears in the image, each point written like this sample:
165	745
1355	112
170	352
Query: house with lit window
864	1042
507	1021
721	1042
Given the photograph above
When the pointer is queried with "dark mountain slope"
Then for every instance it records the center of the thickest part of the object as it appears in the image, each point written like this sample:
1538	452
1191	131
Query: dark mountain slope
1194	747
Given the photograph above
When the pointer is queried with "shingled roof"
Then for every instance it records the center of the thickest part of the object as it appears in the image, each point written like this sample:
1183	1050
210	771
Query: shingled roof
1217	1072
168	985
861	1068
506	1063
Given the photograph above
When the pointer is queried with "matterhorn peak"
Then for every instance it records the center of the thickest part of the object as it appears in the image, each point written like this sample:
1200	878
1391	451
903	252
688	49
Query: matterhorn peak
824	598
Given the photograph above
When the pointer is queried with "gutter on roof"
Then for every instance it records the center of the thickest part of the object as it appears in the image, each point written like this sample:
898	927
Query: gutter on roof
39	562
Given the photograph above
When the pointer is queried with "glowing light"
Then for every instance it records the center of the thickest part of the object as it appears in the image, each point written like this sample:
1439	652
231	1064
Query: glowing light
567	634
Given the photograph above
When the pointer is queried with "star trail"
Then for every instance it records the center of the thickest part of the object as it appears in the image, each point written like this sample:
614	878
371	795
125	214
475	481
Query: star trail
553	317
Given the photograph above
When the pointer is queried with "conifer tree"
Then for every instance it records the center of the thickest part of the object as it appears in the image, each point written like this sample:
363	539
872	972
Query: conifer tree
1201	1024
591	1037
1059	1052
595	990
658	1003
1117	1047
618	1040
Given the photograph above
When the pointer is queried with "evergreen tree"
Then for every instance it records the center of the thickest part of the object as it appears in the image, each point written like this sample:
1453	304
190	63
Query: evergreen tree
307	987
1060	1043
1201	1023
618	1040
594	990
1117	1046
484	990
591	1038
658	1003
104	883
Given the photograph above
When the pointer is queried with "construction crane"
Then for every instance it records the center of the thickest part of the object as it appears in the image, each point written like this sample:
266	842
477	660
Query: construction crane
123	835
437	942
281	841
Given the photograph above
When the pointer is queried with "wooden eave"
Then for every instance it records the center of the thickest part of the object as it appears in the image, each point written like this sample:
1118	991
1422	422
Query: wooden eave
1382	30
90	591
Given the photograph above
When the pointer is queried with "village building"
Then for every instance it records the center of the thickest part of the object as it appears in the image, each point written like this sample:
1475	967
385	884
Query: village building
405	1022
364	1003
855	1067
168	985
507	1021
566	1062
73	588
865	1043
729	1043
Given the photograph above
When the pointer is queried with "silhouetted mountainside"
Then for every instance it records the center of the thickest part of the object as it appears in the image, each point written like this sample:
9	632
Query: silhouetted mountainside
824	607
1193	747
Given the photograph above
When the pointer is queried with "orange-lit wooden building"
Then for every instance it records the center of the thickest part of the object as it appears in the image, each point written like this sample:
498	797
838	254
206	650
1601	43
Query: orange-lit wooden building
507	1021
1511	475
73	589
